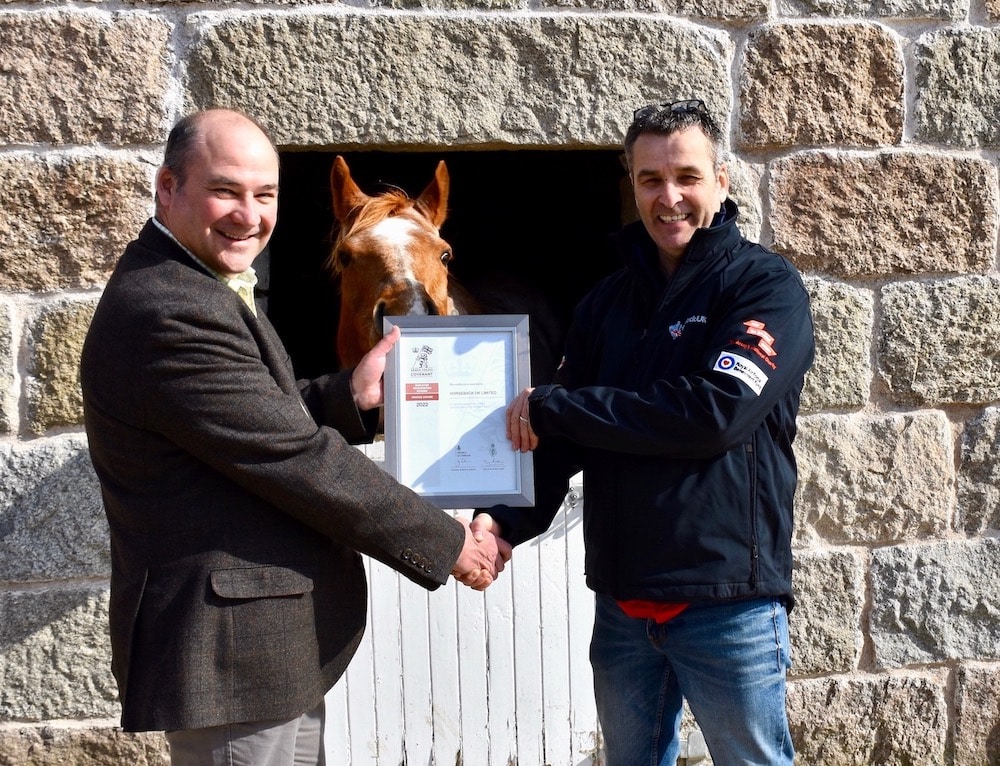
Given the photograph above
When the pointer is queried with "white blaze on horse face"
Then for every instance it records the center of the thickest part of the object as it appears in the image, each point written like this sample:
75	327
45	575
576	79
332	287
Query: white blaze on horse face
398	233
407	251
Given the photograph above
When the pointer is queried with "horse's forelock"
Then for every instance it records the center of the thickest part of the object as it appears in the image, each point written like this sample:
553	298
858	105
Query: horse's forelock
376	210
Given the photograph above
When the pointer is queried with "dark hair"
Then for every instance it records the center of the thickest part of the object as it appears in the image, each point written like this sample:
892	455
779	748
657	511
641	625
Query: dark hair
179	144
665	119
186	133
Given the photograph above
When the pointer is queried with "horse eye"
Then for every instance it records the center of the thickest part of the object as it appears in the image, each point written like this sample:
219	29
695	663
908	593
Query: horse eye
447	257
344	259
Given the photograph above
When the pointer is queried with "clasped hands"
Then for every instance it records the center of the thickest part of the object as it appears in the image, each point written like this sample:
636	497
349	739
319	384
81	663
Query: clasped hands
484	554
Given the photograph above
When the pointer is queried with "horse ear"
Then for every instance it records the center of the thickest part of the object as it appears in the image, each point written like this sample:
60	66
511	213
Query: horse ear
345	194
434	199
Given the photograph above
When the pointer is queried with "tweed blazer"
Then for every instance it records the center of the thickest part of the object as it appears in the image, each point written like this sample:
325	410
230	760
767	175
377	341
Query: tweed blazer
237	505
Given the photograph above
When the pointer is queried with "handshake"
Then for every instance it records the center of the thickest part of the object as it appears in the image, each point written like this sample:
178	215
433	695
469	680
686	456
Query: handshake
484	553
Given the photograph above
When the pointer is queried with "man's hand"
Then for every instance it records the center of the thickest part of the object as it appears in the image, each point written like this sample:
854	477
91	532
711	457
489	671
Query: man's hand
483	525
519	430
366	379
480	561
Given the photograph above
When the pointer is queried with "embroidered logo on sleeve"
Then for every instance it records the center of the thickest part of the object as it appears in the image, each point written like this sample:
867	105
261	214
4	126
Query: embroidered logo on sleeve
742	369
764	347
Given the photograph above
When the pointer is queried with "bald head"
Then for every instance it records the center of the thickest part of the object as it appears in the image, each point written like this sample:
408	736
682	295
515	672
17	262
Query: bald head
193	128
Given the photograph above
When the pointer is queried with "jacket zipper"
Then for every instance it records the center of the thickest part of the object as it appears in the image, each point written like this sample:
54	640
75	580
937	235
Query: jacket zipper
752	520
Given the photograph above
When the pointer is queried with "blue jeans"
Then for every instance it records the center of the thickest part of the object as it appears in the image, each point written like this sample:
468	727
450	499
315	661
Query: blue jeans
728	659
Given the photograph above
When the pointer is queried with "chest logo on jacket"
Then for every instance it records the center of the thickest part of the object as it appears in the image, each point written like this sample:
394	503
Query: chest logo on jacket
677	328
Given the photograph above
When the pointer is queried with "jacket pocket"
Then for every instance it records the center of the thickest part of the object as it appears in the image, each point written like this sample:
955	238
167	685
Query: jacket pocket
260	582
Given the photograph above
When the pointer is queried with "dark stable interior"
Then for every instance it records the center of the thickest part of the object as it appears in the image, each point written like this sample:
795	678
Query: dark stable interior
539	216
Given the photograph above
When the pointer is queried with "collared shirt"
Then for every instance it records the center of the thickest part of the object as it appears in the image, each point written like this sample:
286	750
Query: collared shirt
242	284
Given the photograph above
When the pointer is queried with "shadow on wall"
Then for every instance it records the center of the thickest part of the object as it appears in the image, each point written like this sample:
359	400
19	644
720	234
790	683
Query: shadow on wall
538	216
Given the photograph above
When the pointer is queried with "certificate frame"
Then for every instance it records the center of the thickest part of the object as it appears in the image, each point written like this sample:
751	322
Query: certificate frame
448	381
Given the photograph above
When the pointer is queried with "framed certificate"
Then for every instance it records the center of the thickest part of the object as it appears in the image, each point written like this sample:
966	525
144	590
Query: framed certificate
448	382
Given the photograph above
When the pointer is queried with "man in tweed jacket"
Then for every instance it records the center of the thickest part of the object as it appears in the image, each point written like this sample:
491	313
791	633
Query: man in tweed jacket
236	502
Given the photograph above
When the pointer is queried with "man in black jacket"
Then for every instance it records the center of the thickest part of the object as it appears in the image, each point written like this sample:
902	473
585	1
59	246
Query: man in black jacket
237	505
677	398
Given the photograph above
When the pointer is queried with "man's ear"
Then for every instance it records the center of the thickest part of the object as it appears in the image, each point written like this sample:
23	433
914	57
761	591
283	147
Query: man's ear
723	184
166	184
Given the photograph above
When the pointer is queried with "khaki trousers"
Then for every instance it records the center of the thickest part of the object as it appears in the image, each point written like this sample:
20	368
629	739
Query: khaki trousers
296	742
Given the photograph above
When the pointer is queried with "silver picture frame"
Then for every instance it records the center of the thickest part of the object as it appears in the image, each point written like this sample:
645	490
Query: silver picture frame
448	382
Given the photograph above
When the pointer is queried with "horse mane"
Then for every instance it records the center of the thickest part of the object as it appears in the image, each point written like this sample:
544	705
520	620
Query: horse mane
390	203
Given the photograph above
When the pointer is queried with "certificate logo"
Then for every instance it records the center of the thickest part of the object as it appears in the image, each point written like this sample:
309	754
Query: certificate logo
422	360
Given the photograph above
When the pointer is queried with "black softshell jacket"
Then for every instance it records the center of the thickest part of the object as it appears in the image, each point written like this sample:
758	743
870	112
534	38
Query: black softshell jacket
678	401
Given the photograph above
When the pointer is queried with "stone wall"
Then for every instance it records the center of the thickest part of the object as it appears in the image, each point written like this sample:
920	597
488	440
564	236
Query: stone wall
865	140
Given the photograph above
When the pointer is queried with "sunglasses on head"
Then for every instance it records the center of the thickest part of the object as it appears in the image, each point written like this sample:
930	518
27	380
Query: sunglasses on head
689	106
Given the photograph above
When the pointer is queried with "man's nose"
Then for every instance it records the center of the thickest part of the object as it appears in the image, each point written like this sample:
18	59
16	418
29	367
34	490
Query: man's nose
670	194
247	211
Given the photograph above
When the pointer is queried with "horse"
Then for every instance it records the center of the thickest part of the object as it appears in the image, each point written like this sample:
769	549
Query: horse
390	260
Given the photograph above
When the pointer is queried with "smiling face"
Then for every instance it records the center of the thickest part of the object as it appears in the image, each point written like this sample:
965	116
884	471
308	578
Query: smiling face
677	188
224	207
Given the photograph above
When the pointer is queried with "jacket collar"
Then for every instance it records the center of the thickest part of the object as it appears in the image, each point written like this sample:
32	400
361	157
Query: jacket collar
156	237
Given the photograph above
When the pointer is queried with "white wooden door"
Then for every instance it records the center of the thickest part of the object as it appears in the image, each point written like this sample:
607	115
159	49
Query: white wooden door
478	679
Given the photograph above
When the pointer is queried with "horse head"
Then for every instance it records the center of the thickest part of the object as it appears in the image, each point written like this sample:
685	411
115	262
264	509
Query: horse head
389	257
